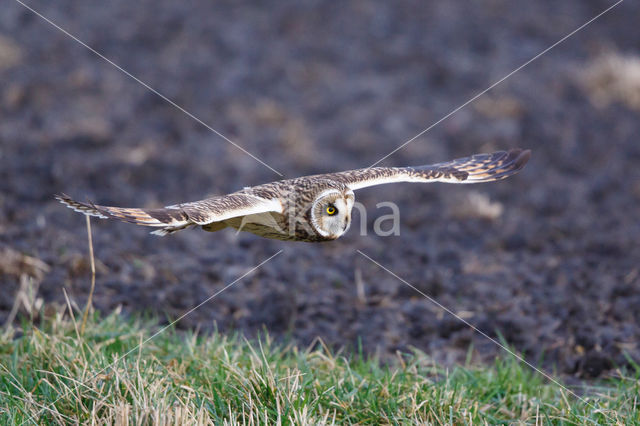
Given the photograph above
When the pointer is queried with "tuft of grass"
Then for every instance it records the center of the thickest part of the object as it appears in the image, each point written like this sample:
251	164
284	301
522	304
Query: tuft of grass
54	374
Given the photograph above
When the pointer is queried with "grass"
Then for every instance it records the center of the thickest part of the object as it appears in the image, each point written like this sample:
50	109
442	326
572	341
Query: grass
53	374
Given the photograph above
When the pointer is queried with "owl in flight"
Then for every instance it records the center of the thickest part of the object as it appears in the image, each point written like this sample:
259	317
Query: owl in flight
309	208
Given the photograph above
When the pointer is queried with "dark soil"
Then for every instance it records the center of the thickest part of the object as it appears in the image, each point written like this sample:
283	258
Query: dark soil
323	86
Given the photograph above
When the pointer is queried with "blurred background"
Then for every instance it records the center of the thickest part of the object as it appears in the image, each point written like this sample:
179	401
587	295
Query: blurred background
548	260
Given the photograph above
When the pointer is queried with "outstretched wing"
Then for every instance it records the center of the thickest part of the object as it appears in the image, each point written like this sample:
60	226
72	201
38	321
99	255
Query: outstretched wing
180	216
474	169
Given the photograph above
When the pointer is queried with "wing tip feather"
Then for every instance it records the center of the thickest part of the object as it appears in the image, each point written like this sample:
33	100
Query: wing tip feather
506	164
522	157
86	209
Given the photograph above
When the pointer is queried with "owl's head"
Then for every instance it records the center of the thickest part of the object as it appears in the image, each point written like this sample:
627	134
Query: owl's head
331	212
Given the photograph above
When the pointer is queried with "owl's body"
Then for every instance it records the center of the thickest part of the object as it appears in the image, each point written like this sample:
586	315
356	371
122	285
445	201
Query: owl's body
293	217
310	208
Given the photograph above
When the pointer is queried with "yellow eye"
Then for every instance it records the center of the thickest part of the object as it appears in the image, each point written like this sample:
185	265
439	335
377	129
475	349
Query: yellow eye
331	210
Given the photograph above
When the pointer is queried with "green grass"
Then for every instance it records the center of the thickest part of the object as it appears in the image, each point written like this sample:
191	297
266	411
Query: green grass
52	375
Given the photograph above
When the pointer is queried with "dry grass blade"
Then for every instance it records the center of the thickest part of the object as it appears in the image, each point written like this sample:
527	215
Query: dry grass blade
93	278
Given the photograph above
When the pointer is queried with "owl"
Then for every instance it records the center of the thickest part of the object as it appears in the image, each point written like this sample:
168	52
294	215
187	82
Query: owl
309	208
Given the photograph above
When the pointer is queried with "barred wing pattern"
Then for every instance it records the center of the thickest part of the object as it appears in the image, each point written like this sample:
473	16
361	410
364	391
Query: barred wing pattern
180	216
474	169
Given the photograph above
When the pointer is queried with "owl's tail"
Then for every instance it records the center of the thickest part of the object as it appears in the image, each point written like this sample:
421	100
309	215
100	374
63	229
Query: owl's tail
169	220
